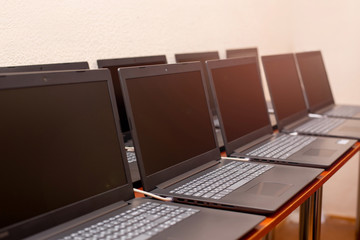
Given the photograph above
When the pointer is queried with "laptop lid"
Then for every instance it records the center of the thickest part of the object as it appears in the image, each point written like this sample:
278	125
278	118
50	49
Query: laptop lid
241	52
315	80
241	104
202	57
45	67
168	110
61	154
113	65
285	88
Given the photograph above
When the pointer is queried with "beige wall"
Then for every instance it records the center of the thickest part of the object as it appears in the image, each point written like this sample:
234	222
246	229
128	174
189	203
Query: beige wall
39	31
42	31
333	27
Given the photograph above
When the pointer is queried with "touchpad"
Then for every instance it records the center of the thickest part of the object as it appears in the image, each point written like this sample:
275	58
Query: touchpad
320	152
269	189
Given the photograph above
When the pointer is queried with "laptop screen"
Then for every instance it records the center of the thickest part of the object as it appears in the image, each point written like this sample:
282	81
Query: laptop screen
240	98
171	117
113	65
284	85
314	78
58	146
202	57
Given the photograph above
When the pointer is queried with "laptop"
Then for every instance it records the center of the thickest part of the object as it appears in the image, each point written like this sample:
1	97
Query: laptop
168	110
289	102
317	87
65	174
45	67
245	123
113	65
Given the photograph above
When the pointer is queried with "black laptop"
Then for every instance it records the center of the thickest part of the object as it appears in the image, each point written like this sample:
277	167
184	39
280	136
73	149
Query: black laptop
245	123
65	174
168	110
289	102
317	87
45	67
113	64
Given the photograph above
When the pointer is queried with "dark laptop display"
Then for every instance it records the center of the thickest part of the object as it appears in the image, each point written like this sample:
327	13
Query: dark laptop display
317	87
286	95
240	98
45	67
289	102
113	65
63	162
202	57
249	52
194	120
173	97
245	122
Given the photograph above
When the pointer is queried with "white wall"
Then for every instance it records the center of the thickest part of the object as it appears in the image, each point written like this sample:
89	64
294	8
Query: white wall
40	31
333	27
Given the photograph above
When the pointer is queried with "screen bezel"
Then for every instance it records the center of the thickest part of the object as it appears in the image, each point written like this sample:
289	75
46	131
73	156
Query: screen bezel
151	181
57	216
45	67
242	52
231	146
131	61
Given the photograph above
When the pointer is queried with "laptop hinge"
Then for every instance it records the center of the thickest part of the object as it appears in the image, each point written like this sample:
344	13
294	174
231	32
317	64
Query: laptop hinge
187	174
253	143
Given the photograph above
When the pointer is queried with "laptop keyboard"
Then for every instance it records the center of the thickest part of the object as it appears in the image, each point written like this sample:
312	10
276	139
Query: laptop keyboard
222	181
342	111
319	125
131	157
282	147
139	223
